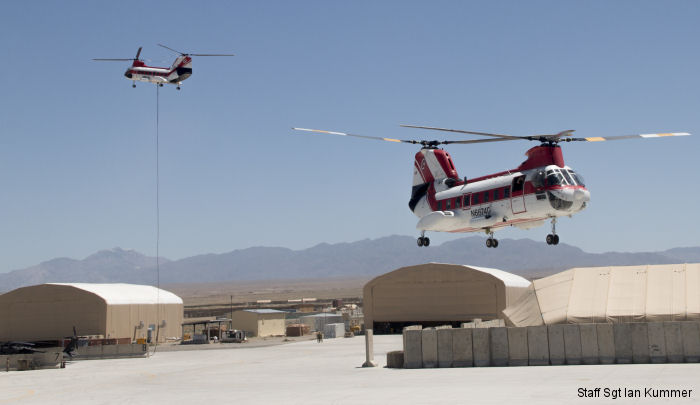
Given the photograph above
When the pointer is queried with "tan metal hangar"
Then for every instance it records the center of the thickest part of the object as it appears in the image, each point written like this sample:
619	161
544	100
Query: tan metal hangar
437	294
614	294
114	311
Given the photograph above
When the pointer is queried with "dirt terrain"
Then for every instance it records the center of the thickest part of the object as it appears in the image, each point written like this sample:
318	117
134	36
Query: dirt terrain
247	293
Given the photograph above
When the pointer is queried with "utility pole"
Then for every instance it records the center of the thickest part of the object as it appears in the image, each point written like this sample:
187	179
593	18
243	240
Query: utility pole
231	307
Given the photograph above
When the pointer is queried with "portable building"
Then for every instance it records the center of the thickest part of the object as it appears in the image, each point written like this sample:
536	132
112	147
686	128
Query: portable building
260	322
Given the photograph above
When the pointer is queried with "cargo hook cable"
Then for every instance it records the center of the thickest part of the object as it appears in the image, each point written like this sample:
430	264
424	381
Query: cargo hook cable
155	347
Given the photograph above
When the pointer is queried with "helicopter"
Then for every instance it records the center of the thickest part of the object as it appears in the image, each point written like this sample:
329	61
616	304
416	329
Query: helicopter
180	70
541	188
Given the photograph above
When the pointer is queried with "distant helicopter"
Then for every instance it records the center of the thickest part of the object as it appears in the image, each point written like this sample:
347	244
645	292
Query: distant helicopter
541	188
176	74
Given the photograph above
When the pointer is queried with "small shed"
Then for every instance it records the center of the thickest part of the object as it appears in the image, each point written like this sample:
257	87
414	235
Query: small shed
317	322
260	322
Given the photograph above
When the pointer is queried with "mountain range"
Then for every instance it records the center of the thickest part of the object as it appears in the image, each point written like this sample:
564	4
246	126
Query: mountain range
364	258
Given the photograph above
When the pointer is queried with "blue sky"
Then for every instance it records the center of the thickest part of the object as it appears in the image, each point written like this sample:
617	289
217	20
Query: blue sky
77	143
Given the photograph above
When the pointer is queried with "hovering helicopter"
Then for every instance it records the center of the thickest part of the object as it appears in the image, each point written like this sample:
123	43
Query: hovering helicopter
542	188
176	74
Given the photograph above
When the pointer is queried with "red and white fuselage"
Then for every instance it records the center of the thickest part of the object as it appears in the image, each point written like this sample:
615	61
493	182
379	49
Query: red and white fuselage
179	71
541	188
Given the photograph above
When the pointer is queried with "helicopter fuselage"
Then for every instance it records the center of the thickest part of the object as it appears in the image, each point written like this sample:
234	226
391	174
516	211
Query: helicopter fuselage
541	188
179	71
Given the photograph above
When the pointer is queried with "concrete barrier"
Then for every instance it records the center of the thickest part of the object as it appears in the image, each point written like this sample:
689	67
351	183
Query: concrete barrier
657	343
413	348
572	343
623	343
555	336
517	347
654	342
498	340
50	358
394	359
482	351
444	347
429	346
462	348
606	343
589	343
674	342
691	341
640	342
537	346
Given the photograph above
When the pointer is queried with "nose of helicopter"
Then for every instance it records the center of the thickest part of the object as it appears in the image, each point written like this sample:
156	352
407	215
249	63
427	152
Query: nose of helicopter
582	195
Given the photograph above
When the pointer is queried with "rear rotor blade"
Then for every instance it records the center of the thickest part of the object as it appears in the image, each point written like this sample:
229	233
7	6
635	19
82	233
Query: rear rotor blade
171	49
465	132
618	138
355	135
138	53
112	59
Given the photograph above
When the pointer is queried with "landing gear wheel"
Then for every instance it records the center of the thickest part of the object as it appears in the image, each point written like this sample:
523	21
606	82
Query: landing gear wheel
133	85
550	239
489	243
495	243
426	242
420	241
178	87
556	240
160	84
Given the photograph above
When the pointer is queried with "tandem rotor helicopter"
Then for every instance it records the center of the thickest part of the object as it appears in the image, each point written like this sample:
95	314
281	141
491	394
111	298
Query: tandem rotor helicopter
542	188
180	70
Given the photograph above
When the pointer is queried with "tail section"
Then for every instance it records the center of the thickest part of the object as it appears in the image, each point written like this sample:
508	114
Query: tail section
181	69
433	165
433	169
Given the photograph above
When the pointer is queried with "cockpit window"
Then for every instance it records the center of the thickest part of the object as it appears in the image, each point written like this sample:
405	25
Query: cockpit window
578	178
554	178
567	177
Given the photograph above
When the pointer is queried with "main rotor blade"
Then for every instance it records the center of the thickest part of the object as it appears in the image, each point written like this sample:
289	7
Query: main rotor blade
112	59
211	54
477	141
171	49
138	53
466	132
357	136
618	138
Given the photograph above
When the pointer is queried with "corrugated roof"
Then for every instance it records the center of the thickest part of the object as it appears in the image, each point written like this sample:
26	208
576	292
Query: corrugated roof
264	311
126	294
510	279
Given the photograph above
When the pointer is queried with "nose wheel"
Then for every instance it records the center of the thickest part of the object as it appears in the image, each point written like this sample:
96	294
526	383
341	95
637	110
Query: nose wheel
491	242
553	238
133	85
423	240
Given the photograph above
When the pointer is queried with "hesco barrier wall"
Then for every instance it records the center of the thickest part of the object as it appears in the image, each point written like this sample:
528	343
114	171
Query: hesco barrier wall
601	343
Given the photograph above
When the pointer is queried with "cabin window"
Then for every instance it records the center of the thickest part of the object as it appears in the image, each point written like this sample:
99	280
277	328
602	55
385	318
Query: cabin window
506	192
448	204
475	199
496	194
467	201
458	202
486	196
